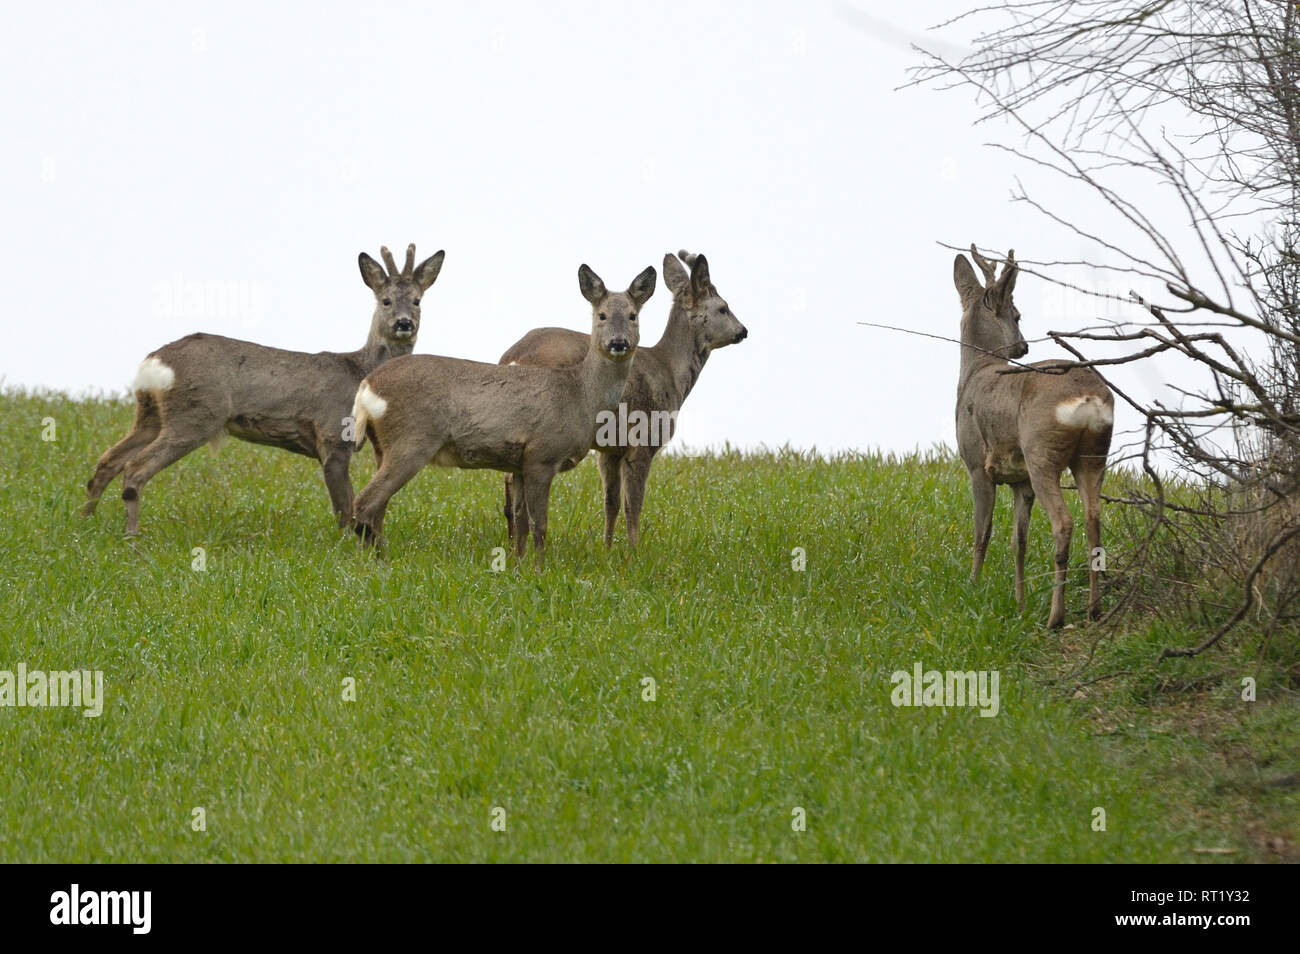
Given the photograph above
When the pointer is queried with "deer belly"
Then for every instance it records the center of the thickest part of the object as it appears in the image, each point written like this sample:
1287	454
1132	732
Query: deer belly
448	456
473	457
286	435
1006	466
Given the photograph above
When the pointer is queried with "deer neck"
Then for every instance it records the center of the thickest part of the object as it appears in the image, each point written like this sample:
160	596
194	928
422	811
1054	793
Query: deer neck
975	359
602	380
685	355
378	349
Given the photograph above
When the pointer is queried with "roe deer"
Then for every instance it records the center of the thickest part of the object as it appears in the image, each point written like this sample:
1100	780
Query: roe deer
1024	429
201	387
661	378
532	422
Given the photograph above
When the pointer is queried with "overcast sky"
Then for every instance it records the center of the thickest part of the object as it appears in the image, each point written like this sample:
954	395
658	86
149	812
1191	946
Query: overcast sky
182	167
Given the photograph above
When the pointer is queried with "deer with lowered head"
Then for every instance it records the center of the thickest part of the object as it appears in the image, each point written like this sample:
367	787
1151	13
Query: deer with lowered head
530	422
663	374
1025	428
198	389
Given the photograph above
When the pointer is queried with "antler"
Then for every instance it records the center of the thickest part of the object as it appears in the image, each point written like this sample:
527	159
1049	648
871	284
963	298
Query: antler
409	269
687	257
1010	263
990	269
388	261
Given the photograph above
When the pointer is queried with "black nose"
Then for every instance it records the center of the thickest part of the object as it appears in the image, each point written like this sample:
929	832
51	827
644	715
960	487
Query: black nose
620	346
403	324
744	333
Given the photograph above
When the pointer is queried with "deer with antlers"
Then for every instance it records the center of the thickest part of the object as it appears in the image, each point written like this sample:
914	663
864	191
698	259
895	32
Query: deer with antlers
202	387
1025	429
533	422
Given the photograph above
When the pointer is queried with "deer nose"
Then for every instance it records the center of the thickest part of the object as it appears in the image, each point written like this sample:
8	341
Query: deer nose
620	346
404	326
744	333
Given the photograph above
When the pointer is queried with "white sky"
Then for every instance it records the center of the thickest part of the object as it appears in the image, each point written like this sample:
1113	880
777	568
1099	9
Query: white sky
174	167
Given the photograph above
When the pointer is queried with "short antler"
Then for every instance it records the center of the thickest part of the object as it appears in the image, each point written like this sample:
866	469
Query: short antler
687	257
990	269
1009	263
388	261
409	269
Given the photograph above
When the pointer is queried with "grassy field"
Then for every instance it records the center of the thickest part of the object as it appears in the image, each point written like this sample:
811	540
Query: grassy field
478	690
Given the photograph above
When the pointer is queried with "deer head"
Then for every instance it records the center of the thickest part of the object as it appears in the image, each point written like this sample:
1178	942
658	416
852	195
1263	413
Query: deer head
710	317
397	294
990	320
614	327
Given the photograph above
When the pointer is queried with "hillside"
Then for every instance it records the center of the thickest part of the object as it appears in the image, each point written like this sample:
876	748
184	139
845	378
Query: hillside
478	690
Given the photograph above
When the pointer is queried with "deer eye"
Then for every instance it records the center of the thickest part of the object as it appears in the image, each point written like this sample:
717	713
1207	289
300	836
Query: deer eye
416	302
724	309
603	317
387	302
631	317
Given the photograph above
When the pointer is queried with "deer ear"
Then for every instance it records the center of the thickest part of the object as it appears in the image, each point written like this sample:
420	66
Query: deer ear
700	283
642	287
963	276
675	276
372	273
428	271
593	289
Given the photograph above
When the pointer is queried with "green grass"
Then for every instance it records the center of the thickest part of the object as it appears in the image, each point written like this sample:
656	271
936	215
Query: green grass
520	690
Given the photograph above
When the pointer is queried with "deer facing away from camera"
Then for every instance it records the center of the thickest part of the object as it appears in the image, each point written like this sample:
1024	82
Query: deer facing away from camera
1024	429
201	387
663	374
530	422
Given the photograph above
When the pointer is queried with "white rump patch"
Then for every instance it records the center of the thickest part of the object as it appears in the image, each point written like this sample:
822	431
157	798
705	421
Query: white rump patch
371	403
512	364
367	406
1088	412
153	375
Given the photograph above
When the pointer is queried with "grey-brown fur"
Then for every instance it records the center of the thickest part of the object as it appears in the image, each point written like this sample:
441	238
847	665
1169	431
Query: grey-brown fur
662	376
287	399
1009	432
531	422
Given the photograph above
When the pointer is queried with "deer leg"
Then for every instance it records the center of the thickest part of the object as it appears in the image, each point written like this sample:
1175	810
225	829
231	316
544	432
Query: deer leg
334	465
984	493
148	422
611	478
636	470
537	495
1087	477
168	447
516	513
1047	487
372	503
510	507
1024	506
519	513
